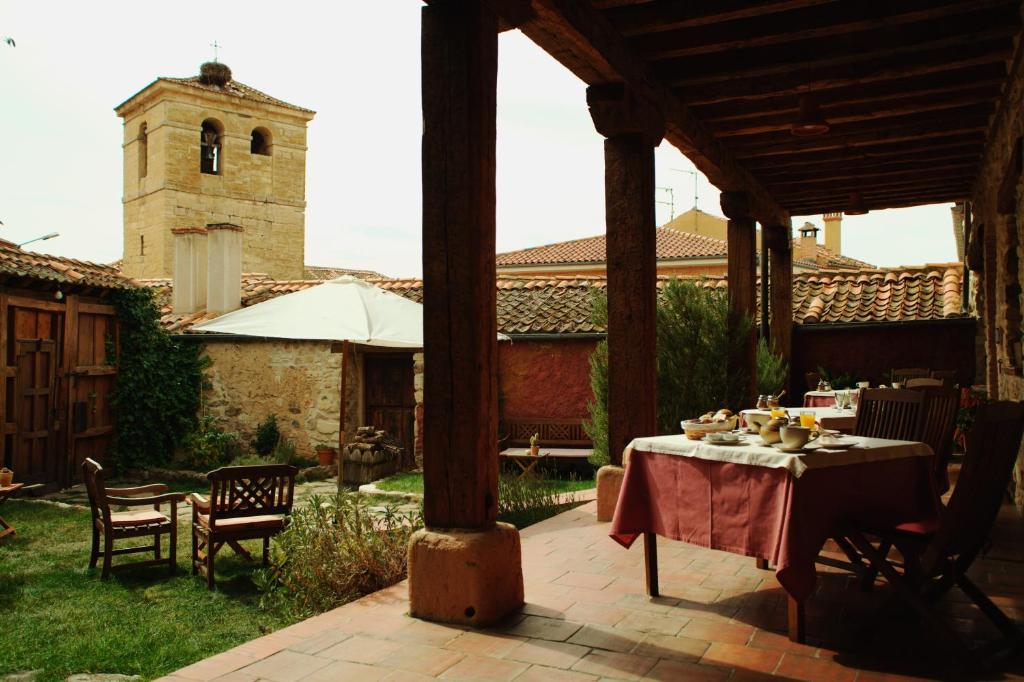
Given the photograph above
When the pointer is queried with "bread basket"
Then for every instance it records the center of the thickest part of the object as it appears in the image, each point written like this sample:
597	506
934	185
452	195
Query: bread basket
694	430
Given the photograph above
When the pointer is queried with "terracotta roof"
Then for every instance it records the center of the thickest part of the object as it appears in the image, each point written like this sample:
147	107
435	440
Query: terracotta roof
562	304
834	261
232	88
323	273
671	244
70	271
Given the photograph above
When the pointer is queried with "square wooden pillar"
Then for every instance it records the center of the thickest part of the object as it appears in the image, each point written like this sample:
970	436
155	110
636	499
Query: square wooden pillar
742	276
464	567
632	130
775	239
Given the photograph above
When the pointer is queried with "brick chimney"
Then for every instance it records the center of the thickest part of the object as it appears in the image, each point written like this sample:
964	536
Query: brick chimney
224	268
189	281
834	232
807	246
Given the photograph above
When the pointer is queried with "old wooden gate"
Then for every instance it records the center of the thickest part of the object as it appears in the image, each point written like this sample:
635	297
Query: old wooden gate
389	400
91	375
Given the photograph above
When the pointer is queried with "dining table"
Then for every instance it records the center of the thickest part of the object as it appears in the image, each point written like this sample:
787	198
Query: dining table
822	398
830	418
759	501
5	492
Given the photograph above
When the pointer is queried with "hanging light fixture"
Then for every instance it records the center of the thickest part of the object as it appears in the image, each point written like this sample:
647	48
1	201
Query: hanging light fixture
810	121
855	206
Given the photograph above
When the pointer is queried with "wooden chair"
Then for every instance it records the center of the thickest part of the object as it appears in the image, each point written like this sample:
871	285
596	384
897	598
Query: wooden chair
920	382
947	376
890	413
936	556
130	524
910	373
942	404
246	503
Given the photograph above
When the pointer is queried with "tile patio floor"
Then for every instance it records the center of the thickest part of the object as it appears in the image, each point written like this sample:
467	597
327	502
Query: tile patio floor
587	618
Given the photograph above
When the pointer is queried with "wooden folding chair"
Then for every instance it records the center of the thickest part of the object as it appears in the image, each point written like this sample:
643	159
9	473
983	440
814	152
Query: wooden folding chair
936	557
890	413
941	407
906	373
921	382
130	524
246	503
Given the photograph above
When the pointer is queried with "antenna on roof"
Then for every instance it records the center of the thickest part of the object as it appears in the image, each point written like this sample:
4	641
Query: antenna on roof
671	203
216	46
695	175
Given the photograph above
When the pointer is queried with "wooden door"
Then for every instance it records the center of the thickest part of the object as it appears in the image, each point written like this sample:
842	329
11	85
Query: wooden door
389	399
92	371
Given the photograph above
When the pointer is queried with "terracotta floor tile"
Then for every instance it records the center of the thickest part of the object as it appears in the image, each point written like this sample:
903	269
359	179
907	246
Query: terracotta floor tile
652	622
345	670
425	632
423	659
361	649
667	646
601	614
737	656
729	633
608	638
406	676
538	673
318	643
556	610
643	602
484	644
594	581
550	654
536	627
799	667
615	665
484	668
285	666
766	639
676	671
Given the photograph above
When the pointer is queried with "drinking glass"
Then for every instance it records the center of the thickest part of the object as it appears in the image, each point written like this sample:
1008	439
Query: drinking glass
778	412
807	418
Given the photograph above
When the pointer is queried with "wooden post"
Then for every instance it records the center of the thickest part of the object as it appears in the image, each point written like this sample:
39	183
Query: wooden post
742	286
342	409
765	276
632	130
780	257
459	72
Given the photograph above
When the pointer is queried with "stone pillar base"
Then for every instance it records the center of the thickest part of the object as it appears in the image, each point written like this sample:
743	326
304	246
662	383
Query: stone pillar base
468	577
609	482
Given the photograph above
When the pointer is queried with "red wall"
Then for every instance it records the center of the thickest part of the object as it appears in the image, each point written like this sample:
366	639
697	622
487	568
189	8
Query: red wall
544	379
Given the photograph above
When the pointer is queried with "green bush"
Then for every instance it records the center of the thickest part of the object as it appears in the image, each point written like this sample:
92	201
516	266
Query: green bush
208	447
157	390
772	370
268	436
526	501
336	550
693	343
285	453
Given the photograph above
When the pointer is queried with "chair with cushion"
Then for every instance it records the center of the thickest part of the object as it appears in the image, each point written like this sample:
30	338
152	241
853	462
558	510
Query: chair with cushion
245	503
937	556
118	525
941	407
890	413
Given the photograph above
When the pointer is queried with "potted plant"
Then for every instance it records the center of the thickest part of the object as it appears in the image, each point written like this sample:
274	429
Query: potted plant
6	477
325	454
534	448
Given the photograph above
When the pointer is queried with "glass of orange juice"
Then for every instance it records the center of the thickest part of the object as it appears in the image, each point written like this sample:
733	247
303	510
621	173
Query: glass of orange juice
778	412
807	418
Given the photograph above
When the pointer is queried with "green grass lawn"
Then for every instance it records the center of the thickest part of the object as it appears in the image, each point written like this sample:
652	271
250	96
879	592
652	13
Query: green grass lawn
412	482
58	616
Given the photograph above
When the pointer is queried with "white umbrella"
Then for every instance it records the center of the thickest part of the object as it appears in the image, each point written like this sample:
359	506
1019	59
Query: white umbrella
343	309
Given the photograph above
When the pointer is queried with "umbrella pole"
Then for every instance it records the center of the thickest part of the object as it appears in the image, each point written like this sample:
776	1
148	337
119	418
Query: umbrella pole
341	413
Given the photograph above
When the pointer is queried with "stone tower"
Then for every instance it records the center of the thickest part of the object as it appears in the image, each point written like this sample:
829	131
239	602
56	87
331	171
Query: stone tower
207	150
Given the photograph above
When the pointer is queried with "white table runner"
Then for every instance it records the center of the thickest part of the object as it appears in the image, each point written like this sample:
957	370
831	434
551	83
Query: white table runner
752	452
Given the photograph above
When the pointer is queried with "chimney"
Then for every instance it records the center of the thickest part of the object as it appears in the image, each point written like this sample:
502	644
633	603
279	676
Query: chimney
224	269
958	228
834	232
807	247
189	282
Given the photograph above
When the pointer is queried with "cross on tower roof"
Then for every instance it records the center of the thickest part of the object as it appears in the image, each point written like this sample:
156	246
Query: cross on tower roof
215	45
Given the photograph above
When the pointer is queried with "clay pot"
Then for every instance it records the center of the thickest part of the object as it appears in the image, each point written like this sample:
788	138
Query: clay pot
6	477
325	455
535	450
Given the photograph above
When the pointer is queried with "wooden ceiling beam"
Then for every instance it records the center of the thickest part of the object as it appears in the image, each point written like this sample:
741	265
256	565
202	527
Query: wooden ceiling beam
866	186
632	17
838	200
802	24
780	186
966	143
837	115
837	171
872	69
941	196
586	43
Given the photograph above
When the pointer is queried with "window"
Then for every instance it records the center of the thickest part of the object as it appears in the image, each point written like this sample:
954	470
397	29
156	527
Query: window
260	143
143	151
142	245
210	152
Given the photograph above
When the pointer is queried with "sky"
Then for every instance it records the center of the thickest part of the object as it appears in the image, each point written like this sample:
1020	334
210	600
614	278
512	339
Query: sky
357	65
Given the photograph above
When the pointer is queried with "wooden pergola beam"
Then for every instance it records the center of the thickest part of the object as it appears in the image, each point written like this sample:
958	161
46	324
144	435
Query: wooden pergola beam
586	43
967	143
835	168
641	17
838	203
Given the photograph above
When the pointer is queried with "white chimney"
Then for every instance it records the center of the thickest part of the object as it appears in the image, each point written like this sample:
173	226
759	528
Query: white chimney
189	283
224	269
834	232
807	247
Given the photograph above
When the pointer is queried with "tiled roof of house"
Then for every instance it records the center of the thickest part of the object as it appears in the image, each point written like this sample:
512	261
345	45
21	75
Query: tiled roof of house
325	273
236	89
16	262
835	261
563	304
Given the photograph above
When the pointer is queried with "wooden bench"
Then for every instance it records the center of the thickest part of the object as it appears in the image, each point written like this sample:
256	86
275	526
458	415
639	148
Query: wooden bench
562	440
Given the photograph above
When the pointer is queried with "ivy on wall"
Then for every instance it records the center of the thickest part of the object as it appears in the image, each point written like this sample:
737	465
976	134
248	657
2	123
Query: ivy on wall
159	379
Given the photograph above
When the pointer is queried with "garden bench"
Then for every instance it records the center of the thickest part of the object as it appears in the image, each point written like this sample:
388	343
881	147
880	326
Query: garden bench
245	503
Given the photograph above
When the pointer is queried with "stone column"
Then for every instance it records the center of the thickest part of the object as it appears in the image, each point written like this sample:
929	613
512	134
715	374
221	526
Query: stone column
742	274
464	567
633	129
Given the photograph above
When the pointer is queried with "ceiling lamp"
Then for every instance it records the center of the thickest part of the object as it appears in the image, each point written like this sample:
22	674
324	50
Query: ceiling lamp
855	205
810	121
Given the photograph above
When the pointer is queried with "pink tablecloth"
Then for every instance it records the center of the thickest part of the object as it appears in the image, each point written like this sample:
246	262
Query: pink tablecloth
819	400
764	512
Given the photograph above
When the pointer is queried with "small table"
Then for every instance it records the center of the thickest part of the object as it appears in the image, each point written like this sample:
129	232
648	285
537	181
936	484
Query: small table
523	459
822	398
5	492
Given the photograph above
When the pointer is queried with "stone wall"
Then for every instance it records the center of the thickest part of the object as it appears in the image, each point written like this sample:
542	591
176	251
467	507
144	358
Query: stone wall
996	201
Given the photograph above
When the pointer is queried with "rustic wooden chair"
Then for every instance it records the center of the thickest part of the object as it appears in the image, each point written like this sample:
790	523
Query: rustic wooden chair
947	376
114	525
910	373
941	406
936	556
245	503
890	413
920	382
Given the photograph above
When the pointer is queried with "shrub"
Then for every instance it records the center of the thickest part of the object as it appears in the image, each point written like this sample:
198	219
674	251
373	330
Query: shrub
693	344
333	551
772	370
208	446
268	436
285	453
526	501
157	390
